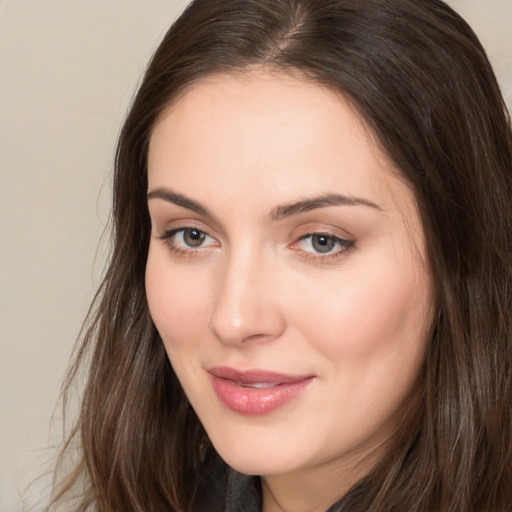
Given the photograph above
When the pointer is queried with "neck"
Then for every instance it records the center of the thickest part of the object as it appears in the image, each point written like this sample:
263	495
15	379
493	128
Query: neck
313	489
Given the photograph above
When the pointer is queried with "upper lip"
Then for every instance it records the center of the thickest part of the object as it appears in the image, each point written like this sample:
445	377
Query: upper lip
254	376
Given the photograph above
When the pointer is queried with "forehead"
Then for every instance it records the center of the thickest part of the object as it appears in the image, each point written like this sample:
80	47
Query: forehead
249	100
269	134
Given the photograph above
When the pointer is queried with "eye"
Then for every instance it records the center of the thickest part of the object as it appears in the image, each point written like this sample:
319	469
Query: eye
323	244
187	239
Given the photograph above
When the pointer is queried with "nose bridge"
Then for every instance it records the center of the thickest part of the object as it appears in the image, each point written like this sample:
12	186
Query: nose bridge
245	306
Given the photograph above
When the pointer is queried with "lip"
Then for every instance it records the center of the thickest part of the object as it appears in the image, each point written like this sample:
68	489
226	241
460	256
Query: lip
256	392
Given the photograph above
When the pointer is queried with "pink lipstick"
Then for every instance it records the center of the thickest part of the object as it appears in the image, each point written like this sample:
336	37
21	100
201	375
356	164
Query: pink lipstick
256	392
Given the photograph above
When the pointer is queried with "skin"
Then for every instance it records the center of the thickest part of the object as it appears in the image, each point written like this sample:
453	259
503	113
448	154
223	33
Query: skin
256	292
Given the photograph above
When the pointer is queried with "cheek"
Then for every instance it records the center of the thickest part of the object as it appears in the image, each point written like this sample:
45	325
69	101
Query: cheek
371	332
368	319
178	301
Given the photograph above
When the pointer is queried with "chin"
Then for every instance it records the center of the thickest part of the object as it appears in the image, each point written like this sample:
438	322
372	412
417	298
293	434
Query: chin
253	466
256	461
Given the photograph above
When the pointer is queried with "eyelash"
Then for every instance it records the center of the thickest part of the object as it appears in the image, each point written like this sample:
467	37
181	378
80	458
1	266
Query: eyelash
343	244
168	239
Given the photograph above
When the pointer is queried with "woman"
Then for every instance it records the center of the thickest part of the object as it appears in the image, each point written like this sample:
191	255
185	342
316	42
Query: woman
307	304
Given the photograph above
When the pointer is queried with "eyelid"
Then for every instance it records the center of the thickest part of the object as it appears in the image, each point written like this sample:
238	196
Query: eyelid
173	231
320	228
327	234
164	226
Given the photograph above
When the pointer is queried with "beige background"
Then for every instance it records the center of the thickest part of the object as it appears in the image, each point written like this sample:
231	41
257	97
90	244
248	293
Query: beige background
67	72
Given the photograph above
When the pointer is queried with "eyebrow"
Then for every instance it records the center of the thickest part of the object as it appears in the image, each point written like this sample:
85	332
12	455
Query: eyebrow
278	213
179	200
321	201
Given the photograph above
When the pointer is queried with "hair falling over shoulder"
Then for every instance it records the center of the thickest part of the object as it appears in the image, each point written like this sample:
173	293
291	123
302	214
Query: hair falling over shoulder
420	79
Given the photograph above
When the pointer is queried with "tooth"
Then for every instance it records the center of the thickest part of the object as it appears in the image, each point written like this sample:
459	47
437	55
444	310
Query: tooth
257	385
262	385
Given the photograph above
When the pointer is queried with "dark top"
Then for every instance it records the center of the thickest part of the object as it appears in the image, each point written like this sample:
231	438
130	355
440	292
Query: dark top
225	490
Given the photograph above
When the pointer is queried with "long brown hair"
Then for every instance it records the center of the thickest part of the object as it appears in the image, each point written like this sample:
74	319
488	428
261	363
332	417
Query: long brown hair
421	80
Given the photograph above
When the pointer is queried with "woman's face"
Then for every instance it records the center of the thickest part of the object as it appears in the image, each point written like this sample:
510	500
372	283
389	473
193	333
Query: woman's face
286	273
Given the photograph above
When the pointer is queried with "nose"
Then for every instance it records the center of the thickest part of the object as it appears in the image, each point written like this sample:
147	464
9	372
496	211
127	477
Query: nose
246	305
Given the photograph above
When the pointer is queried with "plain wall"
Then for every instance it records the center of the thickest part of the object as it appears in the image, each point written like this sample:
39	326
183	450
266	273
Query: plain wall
68	70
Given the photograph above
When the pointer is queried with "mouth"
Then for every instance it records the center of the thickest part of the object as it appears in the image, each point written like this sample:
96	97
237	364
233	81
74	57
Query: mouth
256	392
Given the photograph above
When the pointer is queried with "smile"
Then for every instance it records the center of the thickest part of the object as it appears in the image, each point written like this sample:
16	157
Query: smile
256	392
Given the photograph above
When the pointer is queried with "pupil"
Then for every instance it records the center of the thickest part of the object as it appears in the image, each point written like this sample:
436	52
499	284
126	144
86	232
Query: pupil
322	243
193	237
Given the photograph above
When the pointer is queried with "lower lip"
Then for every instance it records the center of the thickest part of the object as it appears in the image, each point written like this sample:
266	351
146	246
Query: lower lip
257	401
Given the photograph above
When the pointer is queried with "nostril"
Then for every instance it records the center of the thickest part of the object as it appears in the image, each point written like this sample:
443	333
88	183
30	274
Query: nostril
262	338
